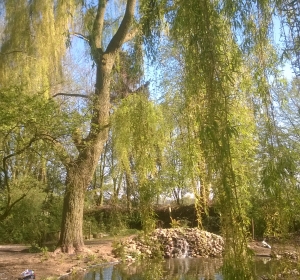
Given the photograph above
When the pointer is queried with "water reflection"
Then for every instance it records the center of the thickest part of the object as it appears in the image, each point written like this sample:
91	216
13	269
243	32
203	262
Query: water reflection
172	269
178	269
202	268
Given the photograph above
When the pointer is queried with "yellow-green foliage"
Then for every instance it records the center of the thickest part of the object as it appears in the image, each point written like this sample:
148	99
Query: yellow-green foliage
139	139
138	135
221	117
34	43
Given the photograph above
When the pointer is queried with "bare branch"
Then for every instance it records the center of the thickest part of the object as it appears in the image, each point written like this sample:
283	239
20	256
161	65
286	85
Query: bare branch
121	34
70	94
79	35
98	25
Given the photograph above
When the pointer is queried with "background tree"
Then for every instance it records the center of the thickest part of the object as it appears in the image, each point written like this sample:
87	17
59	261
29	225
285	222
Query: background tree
23	153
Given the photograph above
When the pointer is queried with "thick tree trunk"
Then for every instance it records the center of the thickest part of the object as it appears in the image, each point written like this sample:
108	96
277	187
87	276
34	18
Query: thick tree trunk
80	171
71	238
79	176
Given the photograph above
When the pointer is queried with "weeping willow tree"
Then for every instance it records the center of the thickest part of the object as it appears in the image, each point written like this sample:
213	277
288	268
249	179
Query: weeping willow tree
213	61
221	114
226	47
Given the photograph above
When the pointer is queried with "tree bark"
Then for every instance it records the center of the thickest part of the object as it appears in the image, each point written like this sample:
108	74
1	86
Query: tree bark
80	171
79	176
71	238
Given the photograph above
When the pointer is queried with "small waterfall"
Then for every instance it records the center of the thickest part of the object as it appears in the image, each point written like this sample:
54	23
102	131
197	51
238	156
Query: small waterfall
181	248
185	249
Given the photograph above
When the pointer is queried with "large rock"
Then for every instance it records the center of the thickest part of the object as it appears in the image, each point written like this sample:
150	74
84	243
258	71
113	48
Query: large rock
173	243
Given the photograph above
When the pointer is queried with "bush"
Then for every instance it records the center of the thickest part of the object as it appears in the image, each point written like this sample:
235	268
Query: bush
29	220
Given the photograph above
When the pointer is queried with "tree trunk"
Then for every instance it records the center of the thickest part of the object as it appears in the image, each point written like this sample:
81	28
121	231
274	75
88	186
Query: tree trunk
79	176
71	238
80	171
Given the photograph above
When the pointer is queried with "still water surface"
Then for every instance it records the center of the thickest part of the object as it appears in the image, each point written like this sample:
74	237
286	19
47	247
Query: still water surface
174	269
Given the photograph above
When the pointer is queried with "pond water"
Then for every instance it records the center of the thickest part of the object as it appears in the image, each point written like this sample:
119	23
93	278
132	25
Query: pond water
181	269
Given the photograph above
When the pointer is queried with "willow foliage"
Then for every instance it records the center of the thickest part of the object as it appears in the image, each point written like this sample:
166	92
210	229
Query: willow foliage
230	65
34	43
138	134
213	64
139	138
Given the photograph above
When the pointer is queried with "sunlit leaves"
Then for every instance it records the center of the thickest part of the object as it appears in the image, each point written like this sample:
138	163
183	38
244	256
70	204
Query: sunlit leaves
139	140
33	43
138	134
221	111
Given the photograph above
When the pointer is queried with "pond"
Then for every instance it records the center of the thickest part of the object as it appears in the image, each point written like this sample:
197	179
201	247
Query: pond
183	269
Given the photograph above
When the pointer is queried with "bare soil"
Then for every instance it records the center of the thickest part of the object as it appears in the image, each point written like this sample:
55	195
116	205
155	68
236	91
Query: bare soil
14	259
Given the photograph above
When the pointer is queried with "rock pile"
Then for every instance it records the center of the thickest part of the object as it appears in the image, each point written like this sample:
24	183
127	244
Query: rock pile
173	243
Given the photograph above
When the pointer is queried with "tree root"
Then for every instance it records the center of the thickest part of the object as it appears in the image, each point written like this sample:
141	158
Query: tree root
72	250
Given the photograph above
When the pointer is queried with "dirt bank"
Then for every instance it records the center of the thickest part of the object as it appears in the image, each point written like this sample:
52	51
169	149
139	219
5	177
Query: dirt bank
14	259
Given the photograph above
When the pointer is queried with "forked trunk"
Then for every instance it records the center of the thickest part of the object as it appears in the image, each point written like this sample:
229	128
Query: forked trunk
80	171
